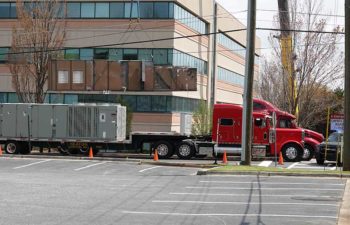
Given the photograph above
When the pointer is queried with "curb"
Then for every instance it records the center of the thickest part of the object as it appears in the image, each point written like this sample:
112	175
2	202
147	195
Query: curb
208	172
208	166
344	212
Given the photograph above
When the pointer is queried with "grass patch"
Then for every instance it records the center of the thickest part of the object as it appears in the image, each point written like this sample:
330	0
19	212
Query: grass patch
229	168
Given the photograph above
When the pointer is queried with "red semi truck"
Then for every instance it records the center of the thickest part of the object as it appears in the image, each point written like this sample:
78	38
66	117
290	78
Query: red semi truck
287	120
227	133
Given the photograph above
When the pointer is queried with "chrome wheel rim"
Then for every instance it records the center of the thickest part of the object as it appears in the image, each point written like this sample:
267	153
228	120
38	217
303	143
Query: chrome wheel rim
307	153
184	150
291	152
162	149
11	148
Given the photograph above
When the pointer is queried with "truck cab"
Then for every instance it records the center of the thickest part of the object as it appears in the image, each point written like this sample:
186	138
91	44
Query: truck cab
288	121
227	133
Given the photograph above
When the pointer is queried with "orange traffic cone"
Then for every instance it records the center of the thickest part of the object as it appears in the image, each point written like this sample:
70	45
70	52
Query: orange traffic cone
224	158
155	157
0	150
280	159
91	154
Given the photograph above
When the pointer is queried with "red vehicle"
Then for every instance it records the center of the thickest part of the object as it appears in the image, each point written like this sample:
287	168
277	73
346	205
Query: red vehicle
227	133
287	120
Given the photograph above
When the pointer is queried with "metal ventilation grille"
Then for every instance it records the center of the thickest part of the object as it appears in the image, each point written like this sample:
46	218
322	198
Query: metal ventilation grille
80	124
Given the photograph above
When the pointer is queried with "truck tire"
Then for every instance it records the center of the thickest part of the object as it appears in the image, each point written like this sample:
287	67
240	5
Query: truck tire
292	152
319	161
164	149
308	153
62	150
185	150
12	147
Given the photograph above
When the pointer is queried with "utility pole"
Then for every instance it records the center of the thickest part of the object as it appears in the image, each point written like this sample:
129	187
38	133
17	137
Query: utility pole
287	55
346	150
248	86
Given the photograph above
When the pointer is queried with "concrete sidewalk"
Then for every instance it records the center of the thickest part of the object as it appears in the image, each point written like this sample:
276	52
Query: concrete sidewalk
344	213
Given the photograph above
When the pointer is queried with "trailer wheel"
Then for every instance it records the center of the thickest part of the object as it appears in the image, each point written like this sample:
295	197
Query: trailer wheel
165	149
185	150
12	147
308	152
62	150
319	161
292	152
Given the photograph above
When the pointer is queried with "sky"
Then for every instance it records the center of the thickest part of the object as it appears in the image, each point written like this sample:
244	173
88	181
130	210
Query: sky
267	9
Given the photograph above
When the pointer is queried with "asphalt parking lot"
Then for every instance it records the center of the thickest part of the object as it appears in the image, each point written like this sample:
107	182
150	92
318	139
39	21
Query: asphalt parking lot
60	191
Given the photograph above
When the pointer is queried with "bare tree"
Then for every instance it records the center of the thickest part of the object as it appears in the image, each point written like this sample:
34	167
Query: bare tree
40	31
319	65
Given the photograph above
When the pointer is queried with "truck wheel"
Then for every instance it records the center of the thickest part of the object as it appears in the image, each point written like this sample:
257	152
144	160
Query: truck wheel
12	147
62	150
308	153
185	150
164	149
292	153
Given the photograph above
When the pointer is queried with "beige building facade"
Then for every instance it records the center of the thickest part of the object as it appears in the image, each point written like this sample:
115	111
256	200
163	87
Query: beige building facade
197	34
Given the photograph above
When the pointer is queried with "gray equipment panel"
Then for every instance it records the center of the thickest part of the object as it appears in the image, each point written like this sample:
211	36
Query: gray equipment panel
88	122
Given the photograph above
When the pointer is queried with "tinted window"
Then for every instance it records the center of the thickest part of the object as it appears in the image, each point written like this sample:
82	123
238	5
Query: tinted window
73	10
258	106
116	54
334	137
160	56
71	54
101	54
87	10
130	54
4	10
146	10
226	122
102	10
145	54
3	54
116	10
161	10
13	10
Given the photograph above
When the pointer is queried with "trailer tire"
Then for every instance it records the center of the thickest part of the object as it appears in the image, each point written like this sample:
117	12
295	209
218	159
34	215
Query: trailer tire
319	161
308	152
164	149
12	147
62	150
185	150
292	152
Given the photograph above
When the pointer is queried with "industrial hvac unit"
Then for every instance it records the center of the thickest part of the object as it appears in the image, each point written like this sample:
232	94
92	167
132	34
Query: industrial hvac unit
92	122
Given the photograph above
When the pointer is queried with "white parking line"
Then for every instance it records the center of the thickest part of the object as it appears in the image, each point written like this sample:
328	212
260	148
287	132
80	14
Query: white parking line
245	203
291	166
151	168
253	195
224	214
265	163
273	188
85	167
256	182
31	164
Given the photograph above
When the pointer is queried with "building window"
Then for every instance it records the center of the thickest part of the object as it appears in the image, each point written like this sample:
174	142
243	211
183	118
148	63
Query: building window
189	19
131	11
102	10
230	77
231	44
87	10
5	10
160	56
143	103
145	55
86	54
130	54
78	77
161	10
116	10
146	10
73	10
101	53
63	77
159	103
71	54
115	54
3	54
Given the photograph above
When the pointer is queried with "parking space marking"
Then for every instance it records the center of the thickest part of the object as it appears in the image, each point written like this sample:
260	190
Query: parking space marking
275	183
273	188
151	168
31	164
244	203
91	165
265	163
291	166
226	214
253	195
